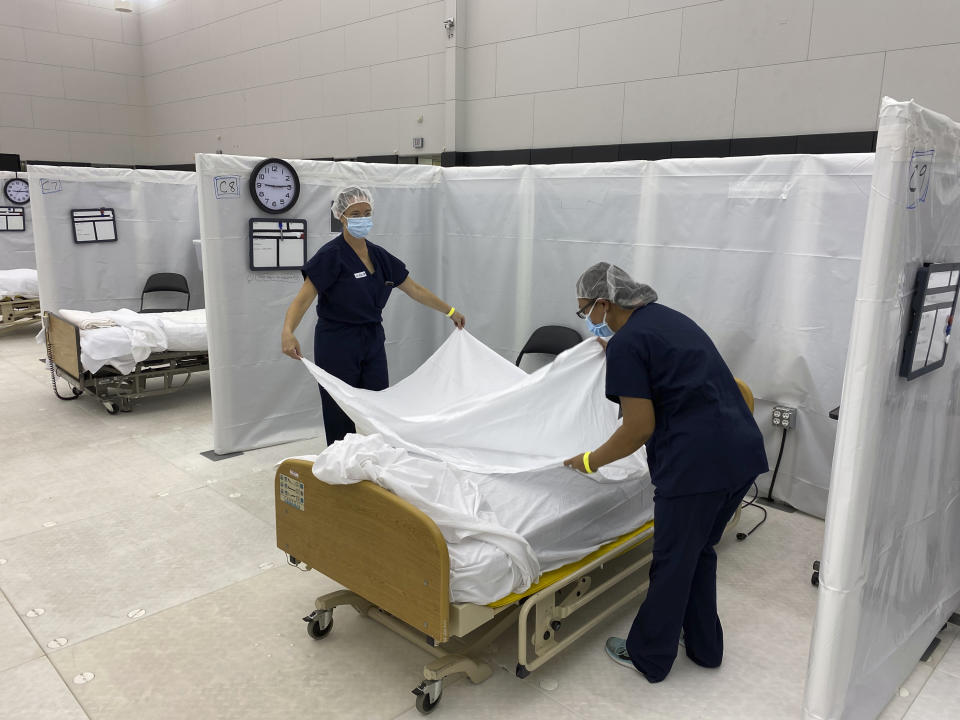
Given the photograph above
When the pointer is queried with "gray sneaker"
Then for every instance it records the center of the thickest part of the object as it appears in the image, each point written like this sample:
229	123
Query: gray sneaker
616	648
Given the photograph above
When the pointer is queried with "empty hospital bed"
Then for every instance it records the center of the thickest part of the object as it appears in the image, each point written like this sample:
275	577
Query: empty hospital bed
395	566
19	299
120	363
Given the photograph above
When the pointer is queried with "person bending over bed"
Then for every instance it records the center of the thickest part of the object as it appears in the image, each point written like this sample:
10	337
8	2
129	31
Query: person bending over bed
351	280
704	450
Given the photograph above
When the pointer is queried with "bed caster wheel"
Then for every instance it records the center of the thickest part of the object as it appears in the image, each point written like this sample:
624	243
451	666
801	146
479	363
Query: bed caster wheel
815	578
522	671
319	623
77	392
428	696
111	407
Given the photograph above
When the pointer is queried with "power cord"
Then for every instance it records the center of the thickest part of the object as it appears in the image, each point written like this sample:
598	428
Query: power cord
756	492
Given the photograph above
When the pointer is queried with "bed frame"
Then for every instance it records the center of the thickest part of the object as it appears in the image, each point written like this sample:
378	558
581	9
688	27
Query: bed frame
18	312
395	567
114	390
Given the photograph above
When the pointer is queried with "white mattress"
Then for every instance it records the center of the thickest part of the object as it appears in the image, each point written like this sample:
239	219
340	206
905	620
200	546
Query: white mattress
135	336
21	282
502	530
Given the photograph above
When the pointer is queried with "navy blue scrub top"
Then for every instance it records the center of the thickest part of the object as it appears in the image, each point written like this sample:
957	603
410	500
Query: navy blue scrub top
347	293
705	438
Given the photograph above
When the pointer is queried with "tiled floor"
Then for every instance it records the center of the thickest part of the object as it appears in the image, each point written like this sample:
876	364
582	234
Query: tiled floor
141	580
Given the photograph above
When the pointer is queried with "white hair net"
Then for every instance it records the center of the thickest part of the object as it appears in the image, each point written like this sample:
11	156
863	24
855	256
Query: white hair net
604	281
350	196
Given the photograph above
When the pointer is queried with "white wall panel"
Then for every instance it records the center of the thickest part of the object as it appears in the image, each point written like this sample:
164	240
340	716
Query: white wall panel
565	14
496	20
848	27
346	92
334	13
324	137
30	79
480	72
54	49
12	46
584	116
438	78
744	33
421	31
91	22
57	114
371	42
117	57
544	62
16	110
322	53
811	97
636	49
693	107
94	85
497	123
920	74
400	84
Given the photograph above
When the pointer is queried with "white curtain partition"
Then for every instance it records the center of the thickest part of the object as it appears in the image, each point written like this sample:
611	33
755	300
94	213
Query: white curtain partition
157	220
763	252
890	574
16	248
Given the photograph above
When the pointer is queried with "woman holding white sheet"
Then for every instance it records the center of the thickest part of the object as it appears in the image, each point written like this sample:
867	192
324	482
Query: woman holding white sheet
351	279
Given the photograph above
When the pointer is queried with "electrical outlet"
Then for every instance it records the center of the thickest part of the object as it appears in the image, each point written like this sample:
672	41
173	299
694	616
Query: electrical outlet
784	417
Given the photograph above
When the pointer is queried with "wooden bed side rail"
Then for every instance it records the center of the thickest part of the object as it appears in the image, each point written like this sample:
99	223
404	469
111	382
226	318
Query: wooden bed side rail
369	540
63	338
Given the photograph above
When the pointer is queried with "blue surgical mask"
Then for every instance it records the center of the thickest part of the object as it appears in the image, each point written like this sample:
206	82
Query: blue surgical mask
601	330
360	227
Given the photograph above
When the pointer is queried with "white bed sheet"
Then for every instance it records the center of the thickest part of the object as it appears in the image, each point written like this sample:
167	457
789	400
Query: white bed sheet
478	444
502	530
136	335
20	282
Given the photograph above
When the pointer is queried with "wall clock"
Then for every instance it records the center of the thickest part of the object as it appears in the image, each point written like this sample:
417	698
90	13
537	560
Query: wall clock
17	191
274	185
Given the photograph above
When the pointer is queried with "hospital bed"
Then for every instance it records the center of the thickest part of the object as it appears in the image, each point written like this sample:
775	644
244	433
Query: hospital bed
19	304
394	565
116	388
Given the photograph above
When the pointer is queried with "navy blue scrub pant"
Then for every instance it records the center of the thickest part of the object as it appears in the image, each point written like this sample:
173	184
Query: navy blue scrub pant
354	354
683	583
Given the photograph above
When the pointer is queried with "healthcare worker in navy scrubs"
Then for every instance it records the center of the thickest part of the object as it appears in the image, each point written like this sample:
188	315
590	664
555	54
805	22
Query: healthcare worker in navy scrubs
704	450
351	279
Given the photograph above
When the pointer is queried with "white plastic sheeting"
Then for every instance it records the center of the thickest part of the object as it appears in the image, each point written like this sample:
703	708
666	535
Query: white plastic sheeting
156	218
762	252
16	248
260	396
890	574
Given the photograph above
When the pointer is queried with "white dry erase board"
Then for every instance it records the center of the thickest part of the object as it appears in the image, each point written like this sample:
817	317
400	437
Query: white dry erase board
277	244
94	225
12	219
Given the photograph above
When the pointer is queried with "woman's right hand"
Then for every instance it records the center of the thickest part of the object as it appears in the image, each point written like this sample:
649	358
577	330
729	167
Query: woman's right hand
290	345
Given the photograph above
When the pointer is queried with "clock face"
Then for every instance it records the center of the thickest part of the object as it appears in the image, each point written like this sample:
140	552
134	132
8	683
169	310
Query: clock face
17	191
274	185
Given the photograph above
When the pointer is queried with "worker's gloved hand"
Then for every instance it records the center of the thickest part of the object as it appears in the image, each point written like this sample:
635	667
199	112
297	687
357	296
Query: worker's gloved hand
459	320
291	346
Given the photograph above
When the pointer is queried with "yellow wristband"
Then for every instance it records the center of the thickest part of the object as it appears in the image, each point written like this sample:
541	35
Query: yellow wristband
452	311
586	462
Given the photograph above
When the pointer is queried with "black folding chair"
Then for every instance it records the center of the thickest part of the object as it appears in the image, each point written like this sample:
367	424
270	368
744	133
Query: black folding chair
550	340
165	282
